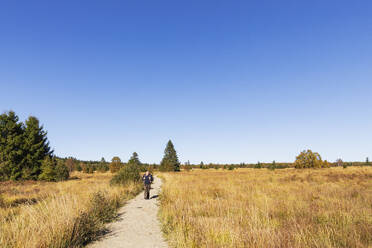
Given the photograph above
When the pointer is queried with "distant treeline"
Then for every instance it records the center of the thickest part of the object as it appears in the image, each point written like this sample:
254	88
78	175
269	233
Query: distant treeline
90	166
25	154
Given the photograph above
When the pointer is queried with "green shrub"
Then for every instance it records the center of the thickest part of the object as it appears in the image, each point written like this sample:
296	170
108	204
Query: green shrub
102	208
129	173
258	166
61	171
53	171
48	172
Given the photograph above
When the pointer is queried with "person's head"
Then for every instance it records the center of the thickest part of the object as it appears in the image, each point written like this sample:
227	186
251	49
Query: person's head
147	173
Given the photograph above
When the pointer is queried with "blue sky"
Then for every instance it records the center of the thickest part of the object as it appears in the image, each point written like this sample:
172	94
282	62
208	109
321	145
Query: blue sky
227	81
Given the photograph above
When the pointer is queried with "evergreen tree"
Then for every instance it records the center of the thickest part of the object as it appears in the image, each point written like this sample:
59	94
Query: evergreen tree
61	171
134	160
201	166
170	160
11	148
48	171
36	148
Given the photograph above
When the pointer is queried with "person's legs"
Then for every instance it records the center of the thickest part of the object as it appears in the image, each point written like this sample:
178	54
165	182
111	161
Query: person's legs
147	191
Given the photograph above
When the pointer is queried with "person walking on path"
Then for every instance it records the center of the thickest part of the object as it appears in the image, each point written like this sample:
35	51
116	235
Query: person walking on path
147	180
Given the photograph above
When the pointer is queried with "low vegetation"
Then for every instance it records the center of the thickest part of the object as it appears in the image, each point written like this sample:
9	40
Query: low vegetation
330	207
59	214
130	173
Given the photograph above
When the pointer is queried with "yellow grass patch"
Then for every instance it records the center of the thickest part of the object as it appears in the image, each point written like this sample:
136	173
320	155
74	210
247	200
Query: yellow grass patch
261	208
63	214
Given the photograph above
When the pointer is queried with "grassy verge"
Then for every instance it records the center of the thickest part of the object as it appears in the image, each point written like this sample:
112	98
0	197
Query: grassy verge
262	208
64	214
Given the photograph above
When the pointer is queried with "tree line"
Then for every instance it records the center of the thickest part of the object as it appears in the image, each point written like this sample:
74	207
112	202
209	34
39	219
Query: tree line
25	154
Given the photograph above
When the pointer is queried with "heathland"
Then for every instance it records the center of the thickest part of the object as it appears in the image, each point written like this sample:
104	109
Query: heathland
329	207
59	214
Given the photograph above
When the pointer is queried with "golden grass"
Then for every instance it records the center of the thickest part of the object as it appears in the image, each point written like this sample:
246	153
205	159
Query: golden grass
63	214
261	208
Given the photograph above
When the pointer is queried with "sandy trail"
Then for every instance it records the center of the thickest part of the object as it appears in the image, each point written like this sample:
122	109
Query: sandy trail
137	226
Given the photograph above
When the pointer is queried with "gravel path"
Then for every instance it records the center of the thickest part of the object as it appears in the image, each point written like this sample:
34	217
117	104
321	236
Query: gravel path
137	226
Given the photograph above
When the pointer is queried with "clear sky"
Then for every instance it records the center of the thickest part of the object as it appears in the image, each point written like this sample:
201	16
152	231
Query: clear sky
227	81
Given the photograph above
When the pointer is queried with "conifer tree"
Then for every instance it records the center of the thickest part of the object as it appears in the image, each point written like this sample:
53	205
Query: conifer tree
61	171
48	171
170	160
36	148
134	159
11	148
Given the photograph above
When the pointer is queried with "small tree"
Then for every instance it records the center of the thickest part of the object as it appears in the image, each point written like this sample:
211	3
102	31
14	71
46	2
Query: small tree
308	159
129	173
48	171
36	148
326	164
170	160
187	166
115	164
201	165
339	162
70	164
258	165
84	167
61	171
272	166
367	161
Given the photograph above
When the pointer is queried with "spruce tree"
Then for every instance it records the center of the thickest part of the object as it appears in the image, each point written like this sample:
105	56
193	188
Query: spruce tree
11	146
48	169
36	148
134	159
170	160
61	171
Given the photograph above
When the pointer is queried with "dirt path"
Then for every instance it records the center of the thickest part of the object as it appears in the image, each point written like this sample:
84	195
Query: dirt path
137	226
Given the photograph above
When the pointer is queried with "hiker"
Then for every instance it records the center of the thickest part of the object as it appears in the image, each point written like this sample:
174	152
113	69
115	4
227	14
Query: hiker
147	180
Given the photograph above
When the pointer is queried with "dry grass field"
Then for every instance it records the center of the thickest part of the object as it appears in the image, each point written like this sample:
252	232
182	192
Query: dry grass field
63	214
262	208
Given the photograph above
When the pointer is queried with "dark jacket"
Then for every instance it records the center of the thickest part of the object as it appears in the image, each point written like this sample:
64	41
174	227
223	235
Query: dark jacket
147	179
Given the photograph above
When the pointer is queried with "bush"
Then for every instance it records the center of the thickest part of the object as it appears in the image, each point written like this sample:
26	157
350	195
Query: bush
309	159
258	166
128	173
48	172
272	166
53	171
115	164
61	172
102	208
